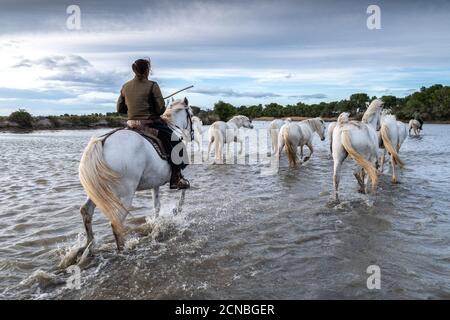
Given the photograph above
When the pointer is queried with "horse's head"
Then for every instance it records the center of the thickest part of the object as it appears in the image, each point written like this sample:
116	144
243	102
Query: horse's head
179	116
372	116
243	121
322	130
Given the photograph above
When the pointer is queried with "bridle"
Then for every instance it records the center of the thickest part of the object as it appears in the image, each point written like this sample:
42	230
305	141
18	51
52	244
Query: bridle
188	123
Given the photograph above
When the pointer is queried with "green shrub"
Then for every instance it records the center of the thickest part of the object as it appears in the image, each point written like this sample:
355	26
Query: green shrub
54	121
114	122
23	118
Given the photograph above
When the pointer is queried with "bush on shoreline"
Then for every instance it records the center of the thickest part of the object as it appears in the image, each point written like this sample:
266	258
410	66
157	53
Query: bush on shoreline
23	118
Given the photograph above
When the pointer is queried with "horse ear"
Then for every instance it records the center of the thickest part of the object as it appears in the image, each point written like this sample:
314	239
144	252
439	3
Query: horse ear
367	104
186	102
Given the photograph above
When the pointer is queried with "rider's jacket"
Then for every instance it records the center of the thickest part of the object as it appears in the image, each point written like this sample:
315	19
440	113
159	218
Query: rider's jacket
142	99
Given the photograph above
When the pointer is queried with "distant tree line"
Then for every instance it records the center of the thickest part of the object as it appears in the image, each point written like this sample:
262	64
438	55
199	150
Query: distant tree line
433	103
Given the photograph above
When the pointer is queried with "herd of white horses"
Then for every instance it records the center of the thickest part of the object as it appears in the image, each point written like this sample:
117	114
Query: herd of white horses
111	170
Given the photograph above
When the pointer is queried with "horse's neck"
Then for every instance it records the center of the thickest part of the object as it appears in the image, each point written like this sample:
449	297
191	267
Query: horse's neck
312	125
177	119
372	122
232	124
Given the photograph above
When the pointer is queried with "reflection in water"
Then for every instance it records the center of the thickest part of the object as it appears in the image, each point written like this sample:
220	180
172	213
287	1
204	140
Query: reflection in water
242	234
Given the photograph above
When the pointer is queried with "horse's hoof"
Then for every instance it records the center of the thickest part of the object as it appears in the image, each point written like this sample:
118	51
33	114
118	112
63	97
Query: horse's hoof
71	257
85	257
306	159
333	202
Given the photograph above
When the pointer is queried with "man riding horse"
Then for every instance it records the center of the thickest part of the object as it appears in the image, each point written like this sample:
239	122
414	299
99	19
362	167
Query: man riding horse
418	117
142	100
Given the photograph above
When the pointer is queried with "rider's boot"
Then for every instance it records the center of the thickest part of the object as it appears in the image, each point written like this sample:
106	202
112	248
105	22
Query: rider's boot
177	181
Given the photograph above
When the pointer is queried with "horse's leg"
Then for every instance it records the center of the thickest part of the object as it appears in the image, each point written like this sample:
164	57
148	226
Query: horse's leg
339	155
211	140
119	237
274	138
278	153
383	155
219	141
311	149
365	180
336	177
180	203
240	145
228	151
87	211
126	200
337	165
219	152
359	175
156	201
394	175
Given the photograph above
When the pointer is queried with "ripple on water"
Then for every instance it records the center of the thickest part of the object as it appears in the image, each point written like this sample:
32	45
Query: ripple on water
242	234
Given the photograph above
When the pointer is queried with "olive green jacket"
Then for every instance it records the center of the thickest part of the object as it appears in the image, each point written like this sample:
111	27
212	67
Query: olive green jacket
142	99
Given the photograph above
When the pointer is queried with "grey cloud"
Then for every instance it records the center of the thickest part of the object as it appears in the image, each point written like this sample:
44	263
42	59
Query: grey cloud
235	94
59	62
75	72
94	78
311	96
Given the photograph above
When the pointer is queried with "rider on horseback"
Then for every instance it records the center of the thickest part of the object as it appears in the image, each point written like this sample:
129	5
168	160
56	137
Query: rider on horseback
418	117
142	100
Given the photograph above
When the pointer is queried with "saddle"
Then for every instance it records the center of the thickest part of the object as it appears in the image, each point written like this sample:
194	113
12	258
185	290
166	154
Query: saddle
151	138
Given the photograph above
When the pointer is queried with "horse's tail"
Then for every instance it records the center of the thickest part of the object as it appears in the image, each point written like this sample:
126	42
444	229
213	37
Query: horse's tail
365	164
290	149
384	131
97	179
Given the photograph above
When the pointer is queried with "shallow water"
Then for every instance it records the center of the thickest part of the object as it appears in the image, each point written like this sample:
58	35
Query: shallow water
241	234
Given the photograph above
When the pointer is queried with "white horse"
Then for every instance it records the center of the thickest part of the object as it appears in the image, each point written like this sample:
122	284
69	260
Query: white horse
293	135
360	141
415	126
221	133
274	128
112	170
391	141
197	125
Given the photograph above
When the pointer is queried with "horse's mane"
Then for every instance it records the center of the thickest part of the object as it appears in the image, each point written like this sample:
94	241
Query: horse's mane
315	123
371	110
239	117
172	109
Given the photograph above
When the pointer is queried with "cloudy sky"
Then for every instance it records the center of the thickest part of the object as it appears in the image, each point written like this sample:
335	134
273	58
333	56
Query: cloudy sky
244	52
